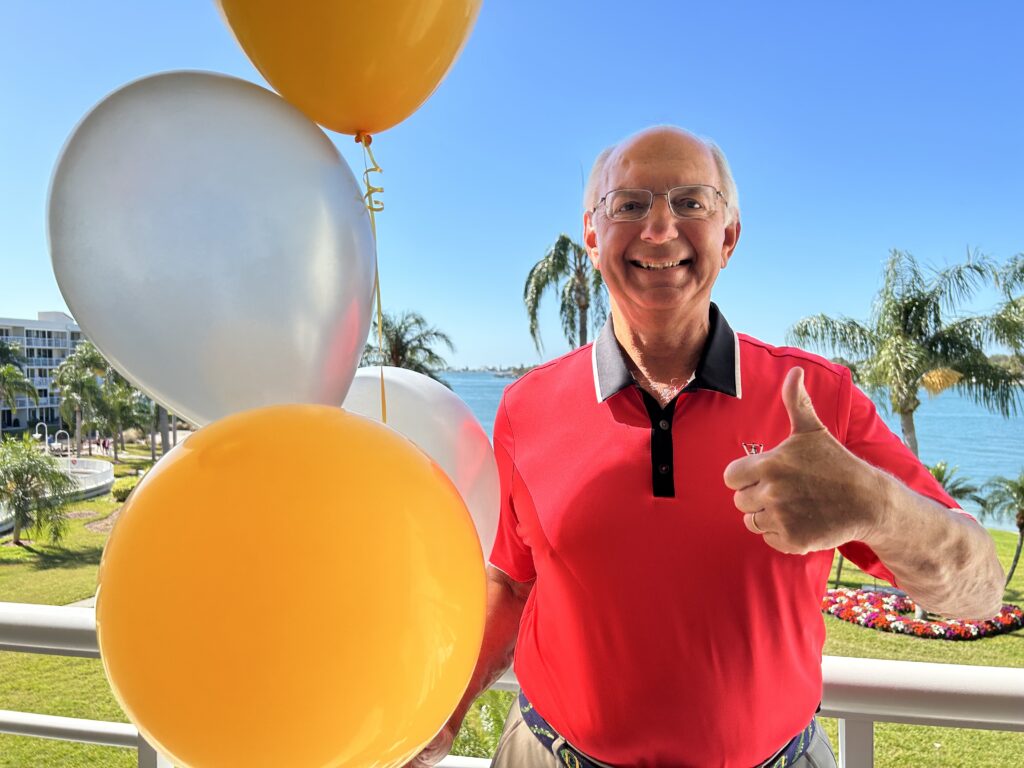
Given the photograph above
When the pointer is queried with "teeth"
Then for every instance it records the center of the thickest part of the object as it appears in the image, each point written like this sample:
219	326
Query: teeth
645	265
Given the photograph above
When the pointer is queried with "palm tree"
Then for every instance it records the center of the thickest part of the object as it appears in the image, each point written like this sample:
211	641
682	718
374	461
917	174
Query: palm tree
34	488
1006	500
10	353
1006	324
908	344
12	384
116	407
957	487
581	293
408	342
80	392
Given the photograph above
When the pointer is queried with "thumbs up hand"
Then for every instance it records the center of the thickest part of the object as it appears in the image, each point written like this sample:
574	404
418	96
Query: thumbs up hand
808	493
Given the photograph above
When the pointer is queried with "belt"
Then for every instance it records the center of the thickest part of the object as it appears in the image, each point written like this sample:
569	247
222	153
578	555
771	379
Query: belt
571	757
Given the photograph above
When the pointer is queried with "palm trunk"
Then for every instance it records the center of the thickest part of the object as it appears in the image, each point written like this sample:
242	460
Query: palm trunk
839	571
16	540
584	309
78	432
909	433
165	438
152	436
174	429
1016	555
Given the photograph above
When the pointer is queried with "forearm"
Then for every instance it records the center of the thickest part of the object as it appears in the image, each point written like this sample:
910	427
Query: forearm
504	611
946	562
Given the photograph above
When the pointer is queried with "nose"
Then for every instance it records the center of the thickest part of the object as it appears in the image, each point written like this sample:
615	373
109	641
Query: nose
660	225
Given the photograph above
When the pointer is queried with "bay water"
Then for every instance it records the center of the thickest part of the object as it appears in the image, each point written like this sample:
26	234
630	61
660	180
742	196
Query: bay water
950	428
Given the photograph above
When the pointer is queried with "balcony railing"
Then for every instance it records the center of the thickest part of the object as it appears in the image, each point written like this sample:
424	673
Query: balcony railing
860	692
25	402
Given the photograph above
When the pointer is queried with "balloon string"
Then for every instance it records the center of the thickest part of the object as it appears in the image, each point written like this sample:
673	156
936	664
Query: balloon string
375	206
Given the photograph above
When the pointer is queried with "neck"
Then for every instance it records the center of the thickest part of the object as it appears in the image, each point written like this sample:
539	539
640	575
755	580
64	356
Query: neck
663	351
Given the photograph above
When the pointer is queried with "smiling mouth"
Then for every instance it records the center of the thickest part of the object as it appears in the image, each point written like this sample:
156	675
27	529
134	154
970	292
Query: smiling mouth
653	266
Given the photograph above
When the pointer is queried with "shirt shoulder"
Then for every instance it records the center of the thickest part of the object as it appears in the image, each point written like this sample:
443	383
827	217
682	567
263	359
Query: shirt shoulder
755	353
570	375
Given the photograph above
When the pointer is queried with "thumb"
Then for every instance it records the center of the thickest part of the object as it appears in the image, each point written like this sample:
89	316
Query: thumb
802	415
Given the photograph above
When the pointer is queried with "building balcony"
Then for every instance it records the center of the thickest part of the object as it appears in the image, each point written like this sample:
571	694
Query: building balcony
36	343
859	692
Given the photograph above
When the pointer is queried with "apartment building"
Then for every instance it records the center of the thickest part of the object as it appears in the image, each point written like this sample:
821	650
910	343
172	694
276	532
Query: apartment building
45	342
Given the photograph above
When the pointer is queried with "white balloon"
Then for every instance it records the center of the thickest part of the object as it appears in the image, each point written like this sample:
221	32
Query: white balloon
214	245
444	428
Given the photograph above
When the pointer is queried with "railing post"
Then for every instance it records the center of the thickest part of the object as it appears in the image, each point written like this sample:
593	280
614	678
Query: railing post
856	743
149	757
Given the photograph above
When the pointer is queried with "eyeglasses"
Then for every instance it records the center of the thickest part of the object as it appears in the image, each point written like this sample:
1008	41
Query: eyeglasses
696	201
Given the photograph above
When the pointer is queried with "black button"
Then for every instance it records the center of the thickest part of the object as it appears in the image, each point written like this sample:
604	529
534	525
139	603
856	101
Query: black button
663	468
664	424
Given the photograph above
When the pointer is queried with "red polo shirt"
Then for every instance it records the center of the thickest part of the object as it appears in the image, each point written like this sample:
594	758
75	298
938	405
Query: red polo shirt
660	631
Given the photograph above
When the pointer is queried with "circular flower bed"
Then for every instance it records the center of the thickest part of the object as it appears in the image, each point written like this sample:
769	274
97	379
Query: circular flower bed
879	610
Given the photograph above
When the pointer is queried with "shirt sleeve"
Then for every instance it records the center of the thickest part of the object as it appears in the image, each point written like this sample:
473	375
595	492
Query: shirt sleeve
510	554
868	437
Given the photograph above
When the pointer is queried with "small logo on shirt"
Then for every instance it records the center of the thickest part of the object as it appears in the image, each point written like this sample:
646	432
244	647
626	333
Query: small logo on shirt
752	449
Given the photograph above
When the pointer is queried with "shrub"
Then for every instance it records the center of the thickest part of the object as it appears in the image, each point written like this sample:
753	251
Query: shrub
122	487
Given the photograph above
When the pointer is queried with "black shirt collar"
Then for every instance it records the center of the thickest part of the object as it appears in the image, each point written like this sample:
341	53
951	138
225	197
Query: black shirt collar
718	369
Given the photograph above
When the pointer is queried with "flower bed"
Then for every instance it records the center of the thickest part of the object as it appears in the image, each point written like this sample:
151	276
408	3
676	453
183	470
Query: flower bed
887	612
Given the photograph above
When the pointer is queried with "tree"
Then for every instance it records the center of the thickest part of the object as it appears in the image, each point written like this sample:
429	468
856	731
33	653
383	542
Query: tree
581	293
10	354
116	407
1005	499
908	343
1006	324
12	384
34	488
408	342
80	392
957	487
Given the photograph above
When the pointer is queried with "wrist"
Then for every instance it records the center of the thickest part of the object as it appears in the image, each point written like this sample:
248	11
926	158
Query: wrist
879	507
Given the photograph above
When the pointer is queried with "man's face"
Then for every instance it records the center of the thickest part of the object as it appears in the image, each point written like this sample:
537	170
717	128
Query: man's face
660	263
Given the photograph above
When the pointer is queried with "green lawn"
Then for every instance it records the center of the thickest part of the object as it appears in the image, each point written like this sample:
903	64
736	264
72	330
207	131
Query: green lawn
54	685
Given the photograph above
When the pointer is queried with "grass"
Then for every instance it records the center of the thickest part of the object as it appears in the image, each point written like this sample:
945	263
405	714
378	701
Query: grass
57	575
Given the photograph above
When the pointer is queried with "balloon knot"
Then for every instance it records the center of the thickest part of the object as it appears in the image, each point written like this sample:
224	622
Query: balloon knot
363	138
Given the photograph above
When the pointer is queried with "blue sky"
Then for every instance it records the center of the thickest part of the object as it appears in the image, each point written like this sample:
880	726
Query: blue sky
851	129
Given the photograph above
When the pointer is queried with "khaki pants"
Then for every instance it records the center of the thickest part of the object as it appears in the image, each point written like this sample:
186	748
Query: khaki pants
519	748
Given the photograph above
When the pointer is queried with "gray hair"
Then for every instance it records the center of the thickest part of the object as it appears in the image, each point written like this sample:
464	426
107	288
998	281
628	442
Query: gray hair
732	196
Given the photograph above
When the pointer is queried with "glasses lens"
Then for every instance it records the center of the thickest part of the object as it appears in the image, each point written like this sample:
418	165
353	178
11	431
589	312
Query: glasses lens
628	204
697	202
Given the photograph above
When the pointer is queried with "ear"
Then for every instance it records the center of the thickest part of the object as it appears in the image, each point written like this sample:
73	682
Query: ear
590	239
729	242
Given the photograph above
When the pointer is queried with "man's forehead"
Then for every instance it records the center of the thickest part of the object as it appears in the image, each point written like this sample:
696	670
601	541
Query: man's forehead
668	152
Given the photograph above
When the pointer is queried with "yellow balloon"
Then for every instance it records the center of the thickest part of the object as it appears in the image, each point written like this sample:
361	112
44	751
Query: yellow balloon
292	586
353	66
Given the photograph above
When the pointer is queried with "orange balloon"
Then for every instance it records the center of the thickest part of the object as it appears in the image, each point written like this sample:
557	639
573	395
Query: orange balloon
353	66
292	586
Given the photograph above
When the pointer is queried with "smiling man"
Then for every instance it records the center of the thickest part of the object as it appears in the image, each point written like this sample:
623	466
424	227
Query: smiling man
672	498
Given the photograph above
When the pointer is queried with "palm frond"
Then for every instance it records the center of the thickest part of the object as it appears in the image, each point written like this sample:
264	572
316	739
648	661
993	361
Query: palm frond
842	335
958	283
1011	276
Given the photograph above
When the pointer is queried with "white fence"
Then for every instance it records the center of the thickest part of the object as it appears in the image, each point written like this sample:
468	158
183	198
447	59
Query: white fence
92	476
860	692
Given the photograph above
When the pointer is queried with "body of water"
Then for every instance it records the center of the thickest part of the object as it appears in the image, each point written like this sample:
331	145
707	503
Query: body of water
950	428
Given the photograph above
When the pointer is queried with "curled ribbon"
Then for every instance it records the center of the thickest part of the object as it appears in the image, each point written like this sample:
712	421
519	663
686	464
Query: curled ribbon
374	206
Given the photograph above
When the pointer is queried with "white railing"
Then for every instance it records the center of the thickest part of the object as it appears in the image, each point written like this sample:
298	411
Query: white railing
93	476
27	402
860	692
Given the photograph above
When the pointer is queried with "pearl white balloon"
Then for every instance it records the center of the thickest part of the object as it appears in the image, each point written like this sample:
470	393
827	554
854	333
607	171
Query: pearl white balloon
443	427
214	245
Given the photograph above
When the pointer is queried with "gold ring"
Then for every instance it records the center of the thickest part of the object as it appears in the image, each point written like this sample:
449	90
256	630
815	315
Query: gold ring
753	522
